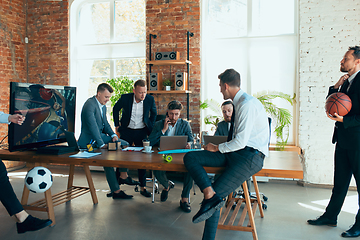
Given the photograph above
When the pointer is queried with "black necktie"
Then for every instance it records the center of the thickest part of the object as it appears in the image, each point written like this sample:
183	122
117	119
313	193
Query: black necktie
231	131
345	86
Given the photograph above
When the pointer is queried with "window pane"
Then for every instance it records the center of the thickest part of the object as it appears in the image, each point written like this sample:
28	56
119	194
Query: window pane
94	23
130	21
226	18
133	68
272	17
99	73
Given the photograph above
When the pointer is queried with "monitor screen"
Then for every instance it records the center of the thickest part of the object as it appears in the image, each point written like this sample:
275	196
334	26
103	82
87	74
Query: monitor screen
49	111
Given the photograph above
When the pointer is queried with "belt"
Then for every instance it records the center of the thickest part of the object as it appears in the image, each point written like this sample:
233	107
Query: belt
253	150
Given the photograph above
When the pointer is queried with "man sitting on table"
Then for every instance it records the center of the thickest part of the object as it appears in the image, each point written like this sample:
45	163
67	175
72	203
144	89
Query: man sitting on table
94	126
25	222
223	127
173	125
242	156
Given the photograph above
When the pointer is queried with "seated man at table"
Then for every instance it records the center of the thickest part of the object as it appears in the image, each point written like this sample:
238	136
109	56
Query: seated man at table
94	126
223	127
173	125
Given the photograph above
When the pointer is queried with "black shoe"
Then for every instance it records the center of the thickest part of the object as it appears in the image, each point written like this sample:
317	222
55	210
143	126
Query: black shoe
145	193
354	231
128	181
185	206
208	207
164	195
322	221
121	195
32	224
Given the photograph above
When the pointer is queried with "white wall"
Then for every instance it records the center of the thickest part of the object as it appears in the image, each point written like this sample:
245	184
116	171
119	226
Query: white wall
327	28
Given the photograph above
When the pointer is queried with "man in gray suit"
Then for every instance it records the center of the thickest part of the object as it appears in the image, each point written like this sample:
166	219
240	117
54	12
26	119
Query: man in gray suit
95	127
172	125
223	127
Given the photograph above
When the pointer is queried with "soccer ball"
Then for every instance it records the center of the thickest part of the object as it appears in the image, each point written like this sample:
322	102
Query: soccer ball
38	179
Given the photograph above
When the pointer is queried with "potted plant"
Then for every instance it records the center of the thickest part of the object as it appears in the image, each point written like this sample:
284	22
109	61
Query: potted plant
121	85
167	84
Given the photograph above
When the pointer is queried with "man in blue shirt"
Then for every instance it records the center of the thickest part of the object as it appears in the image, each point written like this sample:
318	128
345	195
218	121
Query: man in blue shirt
242	156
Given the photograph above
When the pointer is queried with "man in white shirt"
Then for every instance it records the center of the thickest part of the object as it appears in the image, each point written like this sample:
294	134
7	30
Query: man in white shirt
242	156
136	123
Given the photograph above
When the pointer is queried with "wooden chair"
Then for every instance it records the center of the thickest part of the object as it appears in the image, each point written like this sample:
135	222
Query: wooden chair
227	220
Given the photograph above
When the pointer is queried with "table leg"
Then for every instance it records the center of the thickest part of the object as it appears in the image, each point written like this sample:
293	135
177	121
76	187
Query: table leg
91	183
154	186
71	176
50	206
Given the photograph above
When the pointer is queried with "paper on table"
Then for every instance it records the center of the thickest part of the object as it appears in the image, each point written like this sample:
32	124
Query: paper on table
85	155
133	149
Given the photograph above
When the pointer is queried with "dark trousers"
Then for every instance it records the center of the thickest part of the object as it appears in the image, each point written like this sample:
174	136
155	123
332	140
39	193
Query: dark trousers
134	137
240	165
7	195
347	163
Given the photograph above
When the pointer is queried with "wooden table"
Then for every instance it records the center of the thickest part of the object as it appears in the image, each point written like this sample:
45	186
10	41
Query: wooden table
278	164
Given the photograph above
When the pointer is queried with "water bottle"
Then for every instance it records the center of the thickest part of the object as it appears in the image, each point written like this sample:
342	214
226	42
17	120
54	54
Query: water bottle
193	143
197	143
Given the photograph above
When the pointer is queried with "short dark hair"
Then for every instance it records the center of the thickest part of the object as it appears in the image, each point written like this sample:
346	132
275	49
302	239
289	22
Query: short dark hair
356	52
231	77
227	103
174	105
140	83
103	86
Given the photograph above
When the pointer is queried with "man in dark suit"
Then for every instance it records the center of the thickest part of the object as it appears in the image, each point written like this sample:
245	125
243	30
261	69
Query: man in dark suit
223	127
136	123
94	126
347	138
173	125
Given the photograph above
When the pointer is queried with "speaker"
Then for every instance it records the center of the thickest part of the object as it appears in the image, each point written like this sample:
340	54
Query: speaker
181	81
154	81
167	56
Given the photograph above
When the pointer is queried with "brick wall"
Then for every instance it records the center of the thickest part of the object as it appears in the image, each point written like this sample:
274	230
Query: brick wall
12	51
327	29
170	20
48	48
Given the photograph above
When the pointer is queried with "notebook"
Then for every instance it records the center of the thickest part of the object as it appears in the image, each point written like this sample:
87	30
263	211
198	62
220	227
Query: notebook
173	142
214	139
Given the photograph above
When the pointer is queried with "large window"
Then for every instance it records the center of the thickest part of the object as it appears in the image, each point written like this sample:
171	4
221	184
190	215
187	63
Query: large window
258	38
107	40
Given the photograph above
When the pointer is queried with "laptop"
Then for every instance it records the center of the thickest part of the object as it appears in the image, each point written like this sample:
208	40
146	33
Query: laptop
214	139
173	142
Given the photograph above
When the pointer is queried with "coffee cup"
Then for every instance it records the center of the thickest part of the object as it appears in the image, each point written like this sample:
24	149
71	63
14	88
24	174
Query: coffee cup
147	148
146	143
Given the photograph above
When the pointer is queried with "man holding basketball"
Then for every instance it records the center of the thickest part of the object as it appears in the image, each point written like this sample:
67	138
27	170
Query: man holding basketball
347	138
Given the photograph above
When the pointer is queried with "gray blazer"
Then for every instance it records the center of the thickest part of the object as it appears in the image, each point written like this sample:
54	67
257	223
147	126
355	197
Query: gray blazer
93	125
222	129
182	128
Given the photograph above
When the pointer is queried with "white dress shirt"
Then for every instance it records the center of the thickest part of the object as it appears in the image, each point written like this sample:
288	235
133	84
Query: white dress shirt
102	115
251	126
137	115
351	78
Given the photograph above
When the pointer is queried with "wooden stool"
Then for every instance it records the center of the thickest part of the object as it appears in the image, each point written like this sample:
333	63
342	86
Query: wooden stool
250	209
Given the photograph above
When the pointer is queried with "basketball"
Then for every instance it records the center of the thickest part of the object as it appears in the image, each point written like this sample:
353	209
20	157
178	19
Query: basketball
338	103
